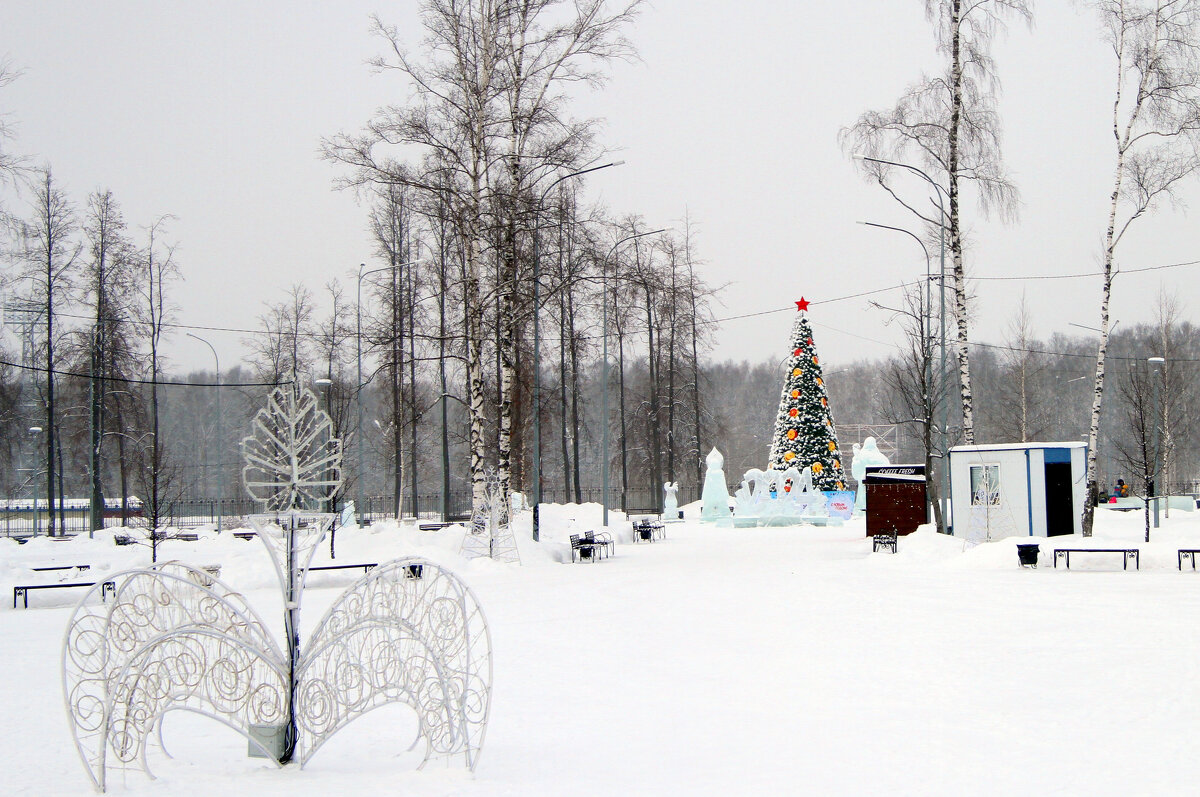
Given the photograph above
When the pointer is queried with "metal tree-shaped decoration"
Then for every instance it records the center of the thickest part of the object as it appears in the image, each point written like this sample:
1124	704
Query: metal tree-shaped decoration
491	533
292	459
177	638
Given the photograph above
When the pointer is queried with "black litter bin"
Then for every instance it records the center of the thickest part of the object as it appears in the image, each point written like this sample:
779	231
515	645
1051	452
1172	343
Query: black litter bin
1027	554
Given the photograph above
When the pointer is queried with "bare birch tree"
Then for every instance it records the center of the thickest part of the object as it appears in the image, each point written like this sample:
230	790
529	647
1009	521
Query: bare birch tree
453	121
949	125
487	94
1155	128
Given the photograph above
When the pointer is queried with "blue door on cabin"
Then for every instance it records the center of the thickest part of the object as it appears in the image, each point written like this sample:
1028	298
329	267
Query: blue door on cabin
1060	509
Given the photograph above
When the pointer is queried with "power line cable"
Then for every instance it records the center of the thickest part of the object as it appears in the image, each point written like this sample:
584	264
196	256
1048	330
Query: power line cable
128	381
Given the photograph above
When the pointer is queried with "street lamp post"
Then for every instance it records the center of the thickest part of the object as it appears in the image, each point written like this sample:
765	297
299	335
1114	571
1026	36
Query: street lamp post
35	431
361	506
1156	364
220	481
929	397
604	368
325	385
945	497
537	361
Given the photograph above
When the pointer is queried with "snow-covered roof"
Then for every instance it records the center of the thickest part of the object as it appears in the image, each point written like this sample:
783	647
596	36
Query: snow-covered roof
1018	446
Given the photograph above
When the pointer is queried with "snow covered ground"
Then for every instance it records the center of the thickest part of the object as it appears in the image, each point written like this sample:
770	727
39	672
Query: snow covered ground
717	661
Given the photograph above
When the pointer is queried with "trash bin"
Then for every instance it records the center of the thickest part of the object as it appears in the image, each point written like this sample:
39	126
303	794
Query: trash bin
1027	554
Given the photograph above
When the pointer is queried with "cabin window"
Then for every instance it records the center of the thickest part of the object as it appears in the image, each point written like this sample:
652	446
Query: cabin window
985	485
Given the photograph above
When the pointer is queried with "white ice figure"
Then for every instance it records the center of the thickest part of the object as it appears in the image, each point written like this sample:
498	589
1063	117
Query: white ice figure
780	498
865	455
716	493
670	502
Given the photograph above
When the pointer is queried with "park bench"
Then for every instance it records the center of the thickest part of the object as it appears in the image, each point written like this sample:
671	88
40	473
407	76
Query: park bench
1188	553
432	526
1127	554
206	575
646	530
366	566
49	568
244	535
886	540
603	539
584	549
22	591
158	536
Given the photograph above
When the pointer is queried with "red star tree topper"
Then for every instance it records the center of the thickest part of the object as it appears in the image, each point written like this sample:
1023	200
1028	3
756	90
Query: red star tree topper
805	436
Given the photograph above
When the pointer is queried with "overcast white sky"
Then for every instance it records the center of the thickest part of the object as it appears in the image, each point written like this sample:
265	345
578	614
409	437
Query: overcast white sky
213	112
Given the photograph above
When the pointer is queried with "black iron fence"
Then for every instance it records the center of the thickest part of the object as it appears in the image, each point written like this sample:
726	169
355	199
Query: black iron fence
22	520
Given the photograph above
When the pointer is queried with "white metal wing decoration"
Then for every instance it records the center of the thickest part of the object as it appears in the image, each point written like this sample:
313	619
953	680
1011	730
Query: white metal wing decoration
177	638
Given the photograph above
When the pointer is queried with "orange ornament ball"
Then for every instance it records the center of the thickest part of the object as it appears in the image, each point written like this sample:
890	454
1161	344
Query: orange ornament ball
795	394
789	455
791	434
795	372
793	412
817	467
832	446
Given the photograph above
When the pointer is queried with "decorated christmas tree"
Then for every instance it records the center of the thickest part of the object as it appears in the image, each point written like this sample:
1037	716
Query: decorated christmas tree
804	433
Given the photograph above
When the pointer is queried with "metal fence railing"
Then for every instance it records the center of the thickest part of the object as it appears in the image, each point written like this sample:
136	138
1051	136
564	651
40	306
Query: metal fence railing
21	519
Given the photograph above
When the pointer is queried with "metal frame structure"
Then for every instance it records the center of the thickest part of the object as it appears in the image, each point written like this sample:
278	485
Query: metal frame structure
491	533
175	638
292	458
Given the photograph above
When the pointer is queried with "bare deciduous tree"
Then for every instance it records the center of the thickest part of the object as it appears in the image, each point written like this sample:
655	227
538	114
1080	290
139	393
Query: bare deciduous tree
948	124
160	483
51	256
1135	450
1155	125
915	388
108	285
1020	414
488	98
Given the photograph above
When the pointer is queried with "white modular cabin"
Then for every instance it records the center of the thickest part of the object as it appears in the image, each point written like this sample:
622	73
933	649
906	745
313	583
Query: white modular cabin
1017	489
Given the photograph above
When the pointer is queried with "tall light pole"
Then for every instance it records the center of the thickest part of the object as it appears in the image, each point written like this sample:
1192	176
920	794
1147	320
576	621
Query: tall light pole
1156	364
937	191
537	340
361	506
34	431
325	385
929	397
604	368
220	481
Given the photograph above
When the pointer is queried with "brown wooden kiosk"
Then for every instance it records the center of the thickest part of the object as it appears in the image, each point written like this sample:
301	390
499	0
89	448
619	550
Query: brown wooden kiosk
896	499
